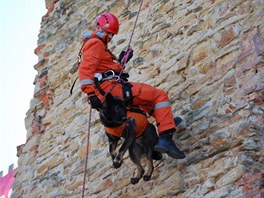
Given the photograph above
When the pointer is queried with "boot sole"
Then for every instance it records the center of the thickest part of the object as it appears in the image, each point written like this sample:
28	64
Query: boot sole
170	154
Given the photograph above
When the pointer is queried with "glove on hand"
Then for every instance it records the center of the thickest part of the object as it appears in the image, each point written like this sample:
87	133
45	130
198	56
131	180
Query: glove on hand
124	76
122	54
95	102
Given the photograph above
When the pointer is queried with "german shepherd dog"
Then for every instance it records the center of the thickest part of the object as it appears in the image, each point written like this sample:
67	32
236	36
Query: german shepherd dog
114	114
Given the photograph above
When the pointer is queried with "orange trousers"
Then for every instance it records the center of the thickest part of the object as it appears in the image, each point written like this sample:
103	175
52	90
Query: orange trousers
147	98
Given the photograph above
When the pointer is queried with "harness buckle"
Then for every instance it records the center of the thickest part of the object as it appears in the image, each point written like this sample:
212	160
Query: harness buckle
99	76
117	78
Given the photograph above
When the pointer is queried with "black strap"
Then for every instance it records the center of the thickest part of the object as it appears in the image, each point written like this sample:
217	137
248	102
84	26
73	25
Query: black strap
136	110
73	85
126	88
127	93
97	85
151	112
78	62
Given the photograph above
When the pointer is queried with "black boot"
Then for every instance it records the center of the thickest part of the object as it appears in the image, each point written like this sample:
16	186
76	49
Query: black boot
165	144
177	121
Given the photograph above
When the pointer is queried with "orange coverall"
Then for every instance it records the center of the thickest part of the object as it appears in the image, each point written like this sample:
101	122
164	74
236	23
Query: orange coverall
97	59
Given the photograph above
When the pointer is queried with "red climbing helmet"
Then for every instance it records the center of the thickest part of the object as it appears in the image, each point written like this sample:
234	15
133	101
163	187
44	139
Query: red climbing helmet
108	22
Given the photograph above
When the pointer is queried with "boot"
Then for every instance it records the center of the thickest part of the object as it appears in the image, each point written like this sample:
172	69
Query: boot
165	144
177	121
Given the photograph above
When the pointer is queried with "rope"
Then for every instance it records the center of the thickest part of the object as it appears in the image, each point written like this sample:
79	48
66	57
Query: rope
128	49
87	150
133	30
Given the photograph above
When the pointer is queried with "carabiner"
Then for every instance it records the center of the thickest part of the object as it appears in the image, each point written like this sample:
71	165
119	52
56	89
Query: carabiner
109	74
117	78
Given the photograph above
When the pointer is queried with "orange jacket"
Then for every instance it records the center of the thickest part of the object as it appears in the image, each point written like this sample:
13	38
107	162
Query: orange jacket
96	58
141	124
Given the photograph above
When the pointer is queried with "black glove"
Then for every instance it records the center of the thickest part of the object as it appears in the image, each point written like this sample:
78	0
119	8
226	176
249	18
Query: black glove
122	54
124	77
95	102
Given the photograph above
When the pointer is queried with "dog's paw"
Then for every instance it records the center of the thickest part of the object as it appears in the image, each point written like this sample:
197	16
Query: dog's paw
146	177
134	180
117	164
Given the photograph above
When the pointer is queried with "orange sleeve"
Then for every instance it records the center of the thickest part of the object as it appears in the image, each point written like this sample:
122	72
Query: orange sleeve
92	53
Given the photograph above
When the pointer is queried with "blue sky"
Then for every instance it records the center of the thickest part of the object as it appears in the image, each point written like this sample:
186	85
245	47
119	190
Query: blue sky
19	28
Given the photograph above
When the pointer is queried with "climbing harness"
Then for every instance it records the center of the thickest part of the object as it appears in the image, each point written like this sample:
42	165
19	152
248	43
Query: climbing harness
111	75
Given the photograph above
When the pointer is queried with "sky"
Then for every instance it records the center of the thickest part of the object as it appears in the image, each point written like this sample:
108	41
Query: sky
19	28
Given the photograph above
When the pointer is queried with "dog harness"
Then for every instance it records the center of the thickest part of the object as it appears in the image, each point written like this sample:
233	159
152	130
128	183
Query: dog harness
141	124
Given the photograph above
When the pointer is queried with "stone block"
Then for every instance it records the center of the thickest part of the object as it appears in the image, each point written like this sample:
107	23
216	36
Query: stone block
230	79
226	37
201	52
219	138
231	177
49	164
197	104
39	49
222	192
32	141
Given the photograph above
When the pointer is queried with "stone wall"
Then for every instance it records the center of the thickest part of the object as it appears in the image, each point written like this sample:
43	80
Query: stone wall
208	56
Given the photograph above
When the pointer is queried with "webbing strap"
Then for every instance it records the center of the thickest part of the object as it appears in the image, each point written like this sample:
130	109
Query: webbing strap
73	85
97	85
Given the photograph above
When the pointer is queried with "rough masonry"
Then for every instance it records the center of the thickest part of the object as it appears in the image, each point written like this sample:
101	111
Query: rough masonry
208	56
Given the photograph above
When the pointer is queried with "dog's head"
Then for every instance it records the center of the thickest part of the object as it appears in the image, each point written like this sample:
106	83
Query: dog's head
113	111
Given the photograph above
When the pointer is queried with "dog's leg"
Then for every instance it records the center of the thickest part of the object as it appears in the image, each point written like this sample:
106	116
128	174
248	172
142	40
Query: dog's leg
150	139
113	140
129	137
135	152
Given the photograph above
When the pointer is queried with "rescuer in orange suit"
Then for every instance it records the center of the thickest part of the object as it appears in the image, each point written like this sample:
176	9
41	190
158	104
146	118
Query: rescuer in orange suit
96	61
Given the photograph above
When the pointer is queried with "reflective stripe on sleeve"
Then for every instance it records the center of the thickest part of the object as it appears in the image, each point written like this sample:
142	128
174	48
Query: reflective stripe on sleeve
161	104
86	82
